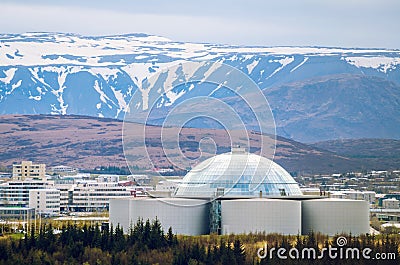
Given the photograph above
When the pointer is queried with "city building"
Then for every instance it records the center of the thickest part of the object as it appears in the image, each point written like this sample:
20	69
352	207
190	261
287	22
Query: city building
388	196
45	201
95	196
16	193
139	179
28	170
391	203
369	196
239	192
63	169
17	213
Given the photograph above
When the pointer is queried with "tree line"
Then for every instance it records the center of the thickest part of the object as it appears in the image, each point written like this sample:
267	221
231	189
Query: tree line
147	243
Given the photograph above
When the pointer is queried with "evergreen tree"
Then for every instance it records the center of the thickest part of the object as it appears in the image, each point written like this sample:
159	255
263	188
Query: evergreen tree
239	252
146	233
119	239
156	238
171	238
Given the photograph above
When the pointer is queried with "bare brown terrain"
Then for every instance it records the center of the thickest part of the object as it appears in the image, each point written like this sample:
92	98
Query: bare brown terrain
87	142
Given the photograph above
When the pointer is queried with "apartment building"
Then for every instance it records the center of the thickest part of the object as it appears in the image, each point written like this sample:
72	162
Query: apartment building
95	196
28	170
16	193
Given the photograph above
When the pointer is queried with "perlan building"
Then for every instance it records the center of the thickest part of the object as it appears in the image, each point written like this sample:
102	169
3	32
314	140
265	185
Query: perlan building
239	193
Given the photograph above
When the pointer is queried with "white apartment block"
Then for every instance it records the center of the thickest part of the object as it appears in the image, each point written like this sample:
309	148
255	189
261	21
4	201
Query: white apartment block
391	203
107	178
95	196
140	179
28	170
85	196
16	193
45	201
63	169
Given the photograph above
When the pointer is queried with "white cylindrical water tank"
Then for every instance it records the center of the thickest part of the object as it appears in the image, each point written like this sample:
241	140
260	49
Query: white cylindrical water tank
242	216
185	216
335	216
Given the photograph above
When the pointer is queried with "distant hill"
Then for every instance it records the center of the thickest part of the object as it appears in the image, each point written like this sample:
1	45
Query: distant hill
337	107
382	153
87	142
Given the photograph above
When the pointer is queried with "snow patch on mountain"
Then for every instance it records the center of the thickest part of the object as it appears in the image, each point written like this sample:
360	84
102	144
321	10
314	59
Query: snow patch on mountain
104	72
9	75
285	61
103	97
299	65
250	67
122	103
381	63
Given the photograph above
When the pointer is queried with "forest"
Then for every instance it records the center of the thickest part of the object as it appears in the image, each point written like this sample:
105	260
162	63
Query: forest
147	243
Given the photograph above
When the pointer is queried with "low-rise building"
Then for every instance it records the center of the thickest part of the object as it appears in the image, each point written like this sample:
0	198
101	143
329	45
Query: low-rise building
107	178
139	179
391	203
368	196
17	213
63	169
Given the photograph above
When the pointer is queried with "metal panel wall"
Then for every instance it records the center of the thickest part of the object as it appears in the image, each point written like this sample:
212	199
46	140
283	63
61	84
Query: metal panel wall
119	213
185	216
335	216
261	215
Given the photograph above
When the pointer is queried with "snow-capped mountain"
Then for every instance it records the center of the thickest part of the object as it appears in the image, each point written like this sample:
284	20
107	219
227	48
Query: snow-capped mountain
54	73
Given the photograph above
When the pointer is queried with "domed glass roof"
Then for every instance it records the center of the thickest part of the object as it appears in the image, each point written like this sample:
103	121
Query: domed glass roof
237	173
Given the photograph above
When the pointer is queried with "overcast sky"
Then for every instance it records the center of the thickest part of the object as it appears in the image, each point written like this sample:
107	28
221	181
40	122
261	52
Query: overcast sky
341	23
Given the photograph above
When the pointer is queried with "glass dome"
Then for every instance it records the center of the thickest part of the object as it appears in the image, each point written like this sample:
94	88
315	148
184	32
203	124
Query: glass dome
237	174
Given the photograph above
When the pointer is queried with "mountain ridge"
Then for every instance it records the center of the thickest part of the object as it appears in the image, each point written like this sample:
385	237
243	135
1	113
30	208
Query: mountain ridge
89	142
52	73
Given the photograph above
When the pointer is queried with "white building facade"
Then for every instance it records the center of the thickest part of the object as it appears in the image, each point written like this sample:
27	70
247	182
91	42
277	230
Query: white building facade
391	203
16	193
45	201
95	196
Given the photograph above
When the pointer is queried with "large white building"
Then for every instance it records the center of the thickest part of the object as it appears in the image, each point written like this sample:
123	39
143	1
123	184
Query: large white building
45	201
95	196
243	193
16	193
